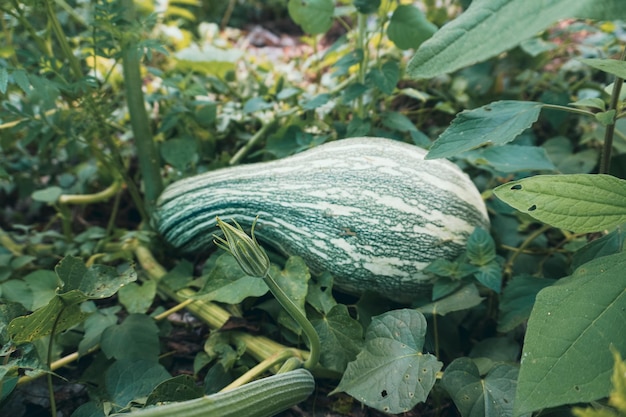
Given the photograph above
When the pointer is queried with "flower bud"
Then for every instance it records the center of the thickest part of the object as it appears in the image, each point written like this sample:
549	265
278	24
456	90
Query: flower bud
250	256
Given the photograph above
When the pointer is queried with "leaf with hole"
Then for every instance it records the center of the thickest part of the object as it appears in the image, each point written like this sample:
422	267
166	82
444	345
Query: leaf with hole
496	123
491	396
581	203
391	373
567	348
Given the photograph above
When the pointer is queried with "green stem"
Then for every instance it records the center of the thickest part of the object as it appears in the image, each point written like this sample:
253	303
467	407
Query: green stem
361	33
568	109
60	35
53	405
299	317
605	160
149	161
253	141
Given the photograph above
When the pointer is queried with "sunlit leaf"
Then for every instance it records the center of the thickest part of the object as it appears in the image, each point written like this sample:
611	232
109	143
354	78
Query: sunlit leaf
488	28
581	203
391	373
573	325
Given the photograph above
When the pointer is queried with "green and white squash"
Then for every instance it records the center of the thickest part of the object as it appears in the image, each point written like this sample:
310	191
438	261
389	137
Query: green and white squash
371	211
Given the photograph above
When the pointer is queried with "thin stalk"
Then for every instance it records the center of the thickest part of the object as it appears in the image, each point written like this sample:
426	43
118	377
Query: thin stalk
147	153
508	266
98	197
607	147
300	318
60	35
568	109
53	405
250	144
361	33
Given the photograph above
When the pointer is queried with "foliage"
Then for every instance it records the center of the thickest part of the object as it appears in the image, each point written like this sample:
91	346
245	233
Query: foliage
105	102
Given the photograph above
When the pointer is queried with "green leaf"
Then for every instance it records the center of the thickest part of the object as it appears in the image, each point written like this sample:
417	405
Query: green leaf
463	299
95	325
408	27
581	203
384	78
207	59
48	195
179	152
341	338
366	6
606	245
488	28
566	357
137	337
391	373
518	299
21	79
481	249
294	281
492	396
314	16
131	379
353	91
4	80
57	315
397	121
179	388
490	275
317	101
71	270
137	298
511	158
227	283
496	123
43	284
256	104
594	103
606	117
320	293
612	66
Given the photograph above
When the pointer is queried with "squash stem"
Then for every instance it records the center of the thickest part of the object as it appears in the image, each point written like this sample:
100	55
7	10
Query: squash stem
605	160
300	318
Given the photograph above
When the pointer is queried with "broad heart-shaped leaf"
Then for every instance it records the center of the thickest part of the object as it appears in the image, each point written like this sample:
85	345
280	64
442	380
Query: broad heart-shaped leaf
132	379
572	328
612	66
314	16
384	78
137	298
490	27
581	203
408	27
475	397
391	373
137	337
481	249
340	336
496	123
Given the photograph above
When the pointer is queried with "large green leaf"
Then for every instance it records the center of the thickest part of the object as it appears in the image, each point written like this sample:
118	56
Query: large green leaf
340	336
572	328
475	397
391	373
314	16
129	380
581	203
511	158
490	27
408	27
226	282
496	123
137	337
612	66
463	299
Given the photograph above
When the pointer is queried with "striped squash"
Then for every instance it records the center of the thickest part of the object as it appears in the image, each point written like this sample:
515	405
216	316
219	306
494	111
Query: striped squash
371	211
